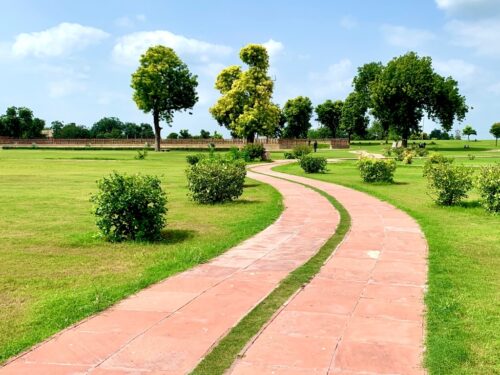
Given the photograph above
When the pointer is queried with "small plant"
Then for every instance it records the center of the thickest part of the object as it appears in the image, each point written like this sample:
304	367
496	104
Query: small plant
471	156
408	156
300	151
312	164
193	159
399	153
435	159
254	151
488	184
288	155
449	184
130	207
141	154
235	154
376	170
34	145
215	180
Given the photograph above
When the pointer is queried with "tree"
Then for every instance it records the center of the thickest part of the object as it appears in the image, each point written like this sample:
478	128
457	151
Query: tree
162	85
495	131
297	113
73	131
439	134
107	127
184	134
329	114
354	120
204	134
406	88
320	133
245	107
468	131
20	123
173	136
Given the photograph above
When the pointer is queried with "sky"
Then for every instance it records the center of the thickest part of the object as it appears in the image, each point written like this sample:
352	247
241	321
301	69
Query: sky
72	60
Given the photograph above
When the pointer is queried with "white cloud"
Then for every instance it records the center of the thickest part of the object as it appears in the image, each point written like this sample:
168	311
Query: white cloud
273	47
65	87
128	22
60	40
348	22
336	81
469	8
460	70
129	48
401	36
482	35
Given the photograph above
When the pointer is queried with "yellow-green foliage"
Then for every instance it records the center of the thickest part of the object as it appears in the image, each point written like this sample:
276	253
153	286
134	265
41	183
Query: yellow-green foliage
488	184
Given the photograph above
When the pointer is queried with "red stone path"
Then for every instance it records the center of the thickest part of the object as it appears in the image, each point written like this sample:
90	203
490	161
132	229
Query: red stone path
363	313
167	328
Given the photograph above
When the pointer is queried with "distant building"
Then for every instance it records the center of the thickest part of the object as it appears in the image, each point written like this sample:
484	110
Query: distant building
48	133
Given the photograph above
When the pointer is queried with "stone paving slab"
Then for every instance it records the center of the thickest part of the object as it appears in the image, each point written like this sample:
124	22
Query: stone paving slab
169	327
364	311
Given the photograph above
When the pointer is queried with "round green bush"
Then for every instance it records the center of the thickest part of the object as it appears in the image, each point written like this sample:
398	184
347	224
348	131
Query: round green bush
254	151
312	164
301	150
435	159
376	170
448	184
215	180
488	184
130	207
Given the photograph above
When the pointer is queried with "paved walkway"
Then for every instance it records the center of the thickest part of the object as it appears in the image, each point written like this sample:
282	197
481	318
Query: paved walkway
363	313
169	327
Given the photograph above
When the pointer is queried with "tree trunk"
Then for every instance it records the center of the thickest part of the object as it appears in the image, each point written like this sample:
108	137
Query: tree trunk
156	122
250	138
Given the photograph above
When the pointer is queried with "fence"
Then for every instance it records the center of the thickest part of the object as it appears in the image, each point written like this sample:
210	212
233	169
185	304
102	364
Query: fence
269	143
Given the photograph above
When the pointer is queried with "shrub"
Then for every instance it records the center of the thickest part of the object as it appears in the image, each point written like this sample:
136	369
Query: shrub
301	150
471	156
408	156
376	170
288	155
235	154
194	159
448	184
312	164
130	207
254	151
141	154
488	184
435	159
214	180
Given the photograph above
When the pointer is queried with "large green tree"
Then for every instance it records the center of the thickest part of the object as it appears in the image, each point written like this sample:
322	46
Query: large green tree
495	131
297	113
70	130
354	120
407	88
246	107
163	85
468	131
107	127
20	123
329	114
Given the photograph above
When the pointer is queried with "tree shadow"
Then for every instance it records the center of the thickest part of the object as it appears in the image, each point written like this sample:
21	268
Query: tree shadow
470	204
174	236
250	185
400	183
244	202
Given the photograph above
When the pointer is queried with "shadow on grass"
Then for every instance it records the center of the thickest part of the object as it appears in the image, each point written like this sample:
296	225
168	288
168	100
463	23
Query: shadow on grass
174	236
470	204
250	185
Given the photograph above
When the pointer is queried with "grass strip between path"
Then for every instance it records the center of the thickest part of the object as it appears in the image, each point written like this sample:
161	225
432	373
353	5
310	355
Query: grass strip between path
226	351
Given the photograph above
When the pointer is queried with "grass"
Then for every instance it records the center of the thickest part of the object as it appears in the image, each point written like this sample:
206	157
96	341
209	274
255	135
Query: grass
224	354
463	299
55	271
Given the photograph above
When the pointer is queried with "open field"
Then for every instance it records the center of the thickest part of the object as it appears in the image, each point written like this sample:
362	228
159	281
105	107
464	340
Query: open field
463	322
55	271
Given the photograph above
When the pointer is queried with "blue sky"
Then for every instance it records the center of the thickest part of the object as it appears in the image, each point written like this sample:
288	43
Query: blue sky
72	60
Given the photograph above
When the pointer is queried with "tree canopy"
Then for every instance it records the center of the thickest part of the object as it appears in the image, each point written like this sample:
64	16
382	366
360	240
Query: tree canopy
297	113
329	114
468	131
495	131
19	122
163	85
246	107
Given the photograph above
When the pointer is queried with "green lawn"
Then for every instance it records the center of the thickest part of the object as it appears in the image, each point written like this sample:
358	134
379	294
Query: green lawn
55	271
463	301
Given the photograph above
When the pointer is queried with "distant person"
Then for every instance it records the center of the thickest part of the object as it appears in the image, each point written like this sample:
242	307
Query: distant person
315	146
309	142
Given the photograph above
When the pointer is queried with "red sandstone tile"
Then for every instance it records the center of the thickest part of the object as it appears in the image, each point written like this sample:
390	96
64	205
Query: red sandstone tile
377	330
147	300
311	324
380	308
19	367
378	358
405	278
404	256
121	321
330	287
284	350
78	348
209	270
180	283
314	300
394	293
246	368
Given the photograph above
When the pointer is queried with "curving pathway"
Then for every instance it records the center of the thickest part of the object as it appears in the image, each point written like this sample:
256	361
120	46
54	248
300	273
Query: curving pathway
169	327
363	312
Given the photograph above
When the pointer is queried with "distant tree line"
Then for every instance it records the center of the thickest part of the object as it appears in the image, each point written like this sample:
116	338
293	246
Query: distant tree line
107	127
19	122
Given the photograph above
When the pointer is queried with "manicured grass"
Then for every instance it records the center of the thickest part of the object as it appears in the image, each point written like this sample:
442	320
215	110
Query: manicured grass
463	300
225	353
55	271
